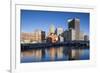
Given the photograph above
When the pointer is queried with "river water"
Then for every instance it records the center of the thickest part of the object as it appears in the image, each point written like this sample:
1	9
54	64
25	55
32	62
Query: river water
55	54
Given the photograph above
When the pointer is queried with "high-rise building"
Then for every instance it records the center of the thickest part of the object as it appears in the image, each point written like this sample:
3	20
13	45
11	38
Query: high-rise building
39	35
65	35
59	31
75	24
71	34
52	29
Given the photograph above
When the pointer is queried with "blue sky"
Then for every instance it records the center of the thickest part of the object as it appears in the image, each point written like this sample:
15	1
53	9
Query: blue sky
32	20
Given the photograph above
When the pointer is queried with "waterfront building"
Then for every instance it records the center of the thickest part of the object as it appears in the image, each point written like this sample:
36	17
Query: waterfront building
75	24
65	35
71	34
39	36
26	37
61	39
35	37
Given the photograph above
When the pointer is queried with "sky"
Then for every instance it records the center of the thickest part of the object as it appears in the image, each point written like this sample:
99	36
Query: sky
35	19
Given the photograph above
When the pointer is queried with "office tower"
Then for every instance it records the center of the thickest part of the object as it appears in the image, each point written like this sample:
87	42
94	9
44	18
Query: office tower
71	34
59	31
65	35
75	24
52	29
39	35
81	36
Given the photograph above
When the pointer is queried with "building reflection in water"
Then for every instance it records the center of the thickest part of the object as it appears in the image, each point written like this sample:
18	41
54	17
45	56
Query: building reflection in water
60	53
54	54
75	54
37	54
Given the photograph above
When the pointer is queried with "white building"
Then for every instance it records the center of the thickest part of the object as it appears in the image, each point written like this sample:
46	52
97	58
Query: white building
59	31
74	23
61	39
71	34
81	36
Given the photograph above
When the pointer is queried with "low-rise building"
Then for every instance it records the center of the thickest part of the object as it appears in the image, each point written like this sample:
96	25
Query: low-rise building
34	37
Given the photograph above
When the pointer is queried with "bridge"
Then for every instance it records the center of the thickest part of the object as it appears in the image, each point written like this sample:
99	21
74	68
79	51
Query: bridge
75	44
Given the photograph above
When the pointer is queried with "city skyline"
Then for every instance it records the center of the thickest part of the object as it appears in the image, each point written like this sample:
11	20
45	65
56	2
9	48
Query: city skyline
33	19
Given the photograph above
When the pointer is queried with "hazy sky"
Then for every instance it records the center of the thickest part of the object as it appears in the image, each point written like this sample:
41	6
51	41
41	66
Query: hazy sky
33	19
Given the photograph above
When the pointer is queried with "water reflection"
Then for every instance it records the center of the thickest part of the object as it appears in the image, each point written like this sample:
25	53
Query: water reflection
54	54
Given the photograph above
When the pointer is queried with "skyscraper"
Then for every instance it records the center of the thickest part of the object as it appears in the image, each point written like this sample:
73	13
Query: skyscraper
59	31
39	35
75	24
52	29
71	34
